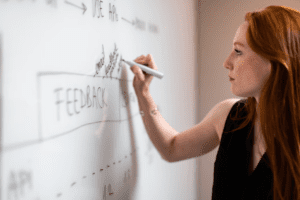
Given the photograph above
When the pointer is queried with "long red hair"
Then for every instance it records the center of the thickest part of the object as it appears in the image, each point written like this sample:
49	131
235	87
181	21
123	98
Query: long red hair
274	33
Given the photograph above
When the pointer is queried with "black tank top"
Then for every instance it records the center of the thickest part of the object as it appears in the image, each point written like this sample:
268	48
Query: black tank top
231	168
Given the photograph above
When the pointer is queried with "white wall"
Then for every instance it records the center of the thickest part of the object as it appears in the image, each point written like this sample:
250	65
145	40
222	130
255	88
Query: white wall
218	21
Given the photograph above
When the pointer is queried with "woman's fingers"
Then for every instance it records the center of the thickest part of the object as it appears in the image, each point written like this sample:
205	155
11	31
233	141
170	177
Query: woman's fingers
147	60
138	72
144	60
138	58
142	80
151	62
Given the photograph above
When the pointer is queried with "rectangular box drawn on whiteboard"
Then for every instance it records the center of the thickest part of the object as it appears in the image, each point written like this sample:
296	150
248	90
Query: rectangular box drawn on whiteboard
68	101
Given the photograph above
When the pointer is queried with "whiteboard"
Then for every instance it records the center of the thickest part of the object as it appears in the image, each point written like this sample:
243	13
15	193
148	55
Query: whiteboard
70	122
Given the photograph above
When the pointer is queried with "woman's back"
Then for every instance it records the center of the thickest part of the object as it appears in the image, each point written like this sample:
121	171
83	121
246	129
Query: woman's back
232	179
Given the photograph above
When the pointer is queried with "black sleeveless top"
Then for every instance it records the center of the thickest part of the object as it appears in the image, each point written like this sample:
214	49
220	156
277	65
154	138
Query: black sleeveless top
231	169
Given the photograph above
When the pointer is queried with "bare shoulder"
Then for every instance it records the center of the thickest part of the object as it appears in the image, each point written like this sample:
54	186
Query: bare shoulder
223	108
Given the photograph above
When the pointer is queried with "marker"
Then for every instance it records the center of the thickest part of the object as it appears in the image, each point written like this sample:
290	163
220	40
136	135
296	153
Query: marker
145	69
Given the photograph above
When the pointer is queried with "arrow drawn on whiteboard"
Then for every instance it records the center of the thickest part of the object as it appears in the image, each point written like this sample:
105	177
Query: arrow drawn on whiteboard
83	6
128	21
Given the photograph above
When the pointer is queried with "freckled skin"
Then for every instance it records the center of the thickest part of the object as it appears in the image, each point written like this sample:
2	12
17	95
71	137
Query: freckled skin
249	69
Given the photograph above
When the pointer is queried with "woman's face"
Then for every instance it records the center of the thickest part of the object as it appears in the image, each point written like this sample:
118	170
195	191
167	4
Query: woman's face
248	69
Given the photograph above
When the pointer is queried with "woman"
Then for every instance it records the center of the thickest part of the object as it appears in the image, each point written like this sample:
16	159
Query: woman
265	69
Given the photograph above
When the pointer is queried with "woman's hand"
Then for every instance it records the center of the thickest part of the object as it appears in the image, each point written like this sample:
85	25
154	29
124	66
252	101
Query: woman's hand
142	80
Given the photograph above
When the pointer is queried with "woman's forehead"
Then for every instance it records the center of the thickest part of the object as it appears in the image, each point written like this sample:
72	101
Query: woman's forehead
240	35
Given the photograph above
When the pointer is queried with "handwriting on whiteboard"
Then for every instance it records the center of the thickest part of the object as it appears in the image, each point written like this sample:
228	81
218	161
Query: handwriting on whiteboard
68	101
98	12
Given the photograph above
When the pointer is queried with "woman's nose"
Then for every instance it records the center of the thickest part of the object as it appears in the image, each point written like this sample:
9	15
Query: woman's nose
226	64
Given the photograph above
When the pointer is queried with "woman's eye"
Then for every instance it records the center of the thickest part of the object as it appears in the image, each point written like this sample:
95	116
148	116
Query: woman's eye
238	52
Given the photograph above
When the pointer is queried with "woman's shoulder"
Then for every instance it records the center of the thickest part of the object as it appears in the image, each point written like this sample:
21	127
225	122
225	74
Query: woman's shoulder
225	108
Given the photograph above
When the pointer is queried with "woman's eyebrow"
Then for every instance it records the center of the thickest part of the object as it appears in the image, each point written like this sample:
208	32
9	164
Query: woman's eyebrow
239	44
